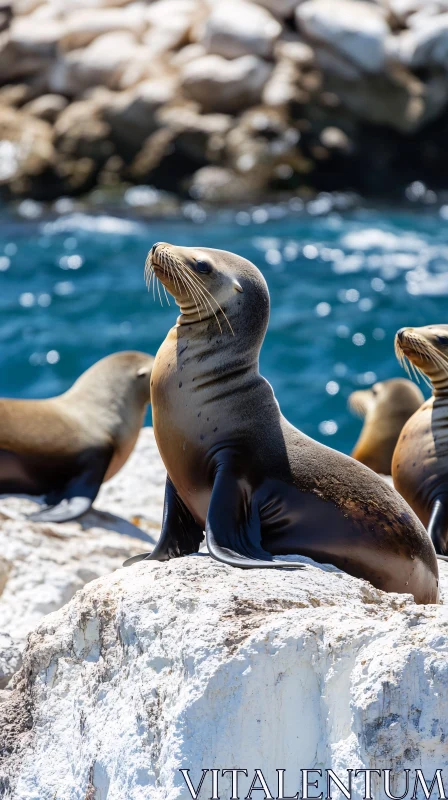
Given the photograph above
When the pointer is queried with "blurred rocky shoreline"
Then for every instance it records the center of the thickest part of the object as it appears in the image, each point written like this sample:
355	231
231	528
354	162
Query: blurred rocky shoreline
224	101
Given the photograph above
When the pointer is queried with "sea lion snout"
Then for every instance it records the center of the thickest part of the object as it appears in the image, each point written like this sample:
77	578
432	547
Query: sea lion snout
401	334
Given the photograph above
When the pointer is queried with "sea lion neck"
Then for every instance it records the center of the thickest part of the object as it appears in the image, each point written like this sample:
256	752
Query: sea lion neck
213	351
440	386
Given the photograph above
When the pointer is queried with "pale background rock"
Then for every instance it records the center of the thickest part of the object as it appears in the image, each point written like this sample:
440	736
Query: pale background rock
43	565
237	28
195	664
353	28
222	85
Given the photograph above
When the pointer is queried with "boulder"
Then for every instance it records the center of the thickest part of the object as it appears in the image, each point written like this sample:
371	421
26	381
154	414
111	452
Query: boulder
33	37
170	22
82	27
280	8
354	28
236	28
225	86
293	48
220	185
26	148
43	565
425	45
398	100
81	132
47	107
195	665
402	9
132	114
197	135
102	63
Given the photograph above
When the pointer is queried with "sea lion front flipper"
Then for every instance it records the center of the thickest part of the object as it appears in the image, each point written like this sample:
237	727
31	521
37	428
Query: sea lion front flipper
180	534
233	528
77	496
438	525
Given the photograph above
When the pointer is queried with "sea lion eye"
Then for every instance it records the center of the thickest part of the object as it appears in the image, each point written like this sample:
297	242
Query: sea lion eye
442	339
202	266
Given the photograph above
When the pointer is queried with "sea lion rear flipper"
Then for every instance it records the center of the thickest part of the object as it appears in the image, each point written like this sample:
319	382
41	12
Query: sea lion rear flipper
438	525
180	534
77	496
64	511
233	528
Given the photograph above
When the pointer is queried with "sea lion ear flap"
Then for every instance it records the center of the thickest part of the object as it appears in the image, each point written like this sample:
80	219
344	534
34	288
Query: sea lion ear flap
237	285
142	372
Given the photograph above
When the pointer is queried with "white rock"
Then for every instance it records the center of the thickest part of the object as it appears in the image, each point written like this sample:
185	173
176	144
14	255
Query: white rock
83	26
296	50
102	63
281	8
170	22
221	85
43	565
425	45
404	8
193	664
132	114
33	37
237	28
354	28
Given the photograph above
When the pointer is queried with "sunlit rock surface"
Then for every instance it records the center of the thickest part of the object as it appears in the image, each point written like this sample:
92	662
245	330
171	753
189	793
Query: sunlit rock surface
193	664
43	565
349	64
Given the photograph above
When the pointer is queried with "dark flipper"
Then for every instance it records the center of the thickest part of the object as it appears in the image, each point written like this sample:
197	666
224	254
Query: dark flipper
180	534
438	525
78	495
233	528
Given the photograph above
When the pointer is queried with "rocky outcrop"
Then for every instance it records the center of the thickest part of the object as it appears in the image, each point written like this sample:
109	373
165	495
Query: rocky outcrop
194	665
375	71
43	565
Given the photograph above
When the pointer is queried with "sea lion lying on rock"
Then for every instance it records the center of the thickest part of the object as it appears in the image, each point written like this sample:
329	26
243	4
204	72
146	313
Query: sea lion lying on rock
66	446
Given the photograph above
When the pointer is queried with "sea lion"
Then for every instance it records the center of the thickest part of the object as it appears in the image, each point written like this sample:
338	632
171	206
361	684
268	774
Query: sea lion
66	446
237	468
420	462
386	406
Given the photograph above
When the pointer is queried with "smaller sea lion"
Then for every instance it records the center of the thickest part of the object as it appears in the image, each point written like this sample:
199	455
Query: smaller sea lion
420	462
66	446
385	407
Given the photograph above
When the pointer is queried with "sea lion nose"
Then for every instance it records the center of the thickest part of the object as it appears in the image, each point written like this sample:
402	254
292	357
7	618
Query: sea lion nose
401	333
155	246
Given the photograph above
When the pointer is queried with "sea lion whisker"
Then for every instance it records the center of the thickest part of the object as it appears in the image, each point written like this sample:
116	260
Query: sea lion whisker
215	300
194	292
166	295
158	289
188	290
206	301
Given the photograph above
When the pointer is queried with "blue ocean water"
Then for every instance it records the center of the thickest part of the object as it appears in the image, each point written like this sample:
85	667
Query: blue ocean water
341	284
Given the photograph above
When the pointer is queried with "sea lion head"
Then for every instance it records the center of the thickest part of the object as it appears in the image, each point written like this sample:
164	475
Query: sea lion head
426	351
210	284
395	396
386	407
121	380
